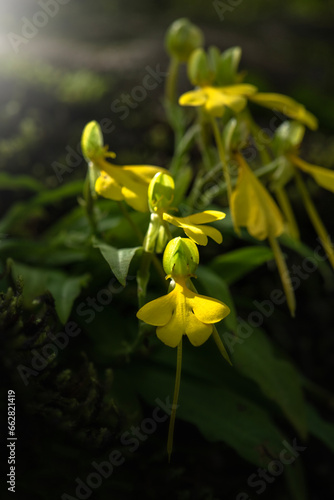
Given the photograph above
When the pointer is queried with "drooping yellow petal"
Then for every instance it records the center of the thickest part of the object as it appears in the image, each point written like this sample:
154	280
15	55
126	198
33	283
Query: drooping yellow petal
158	312
218	99
196	97
196	231
208	310
107	187
133	181
204	217
196	331
287	106
322	176
253	207
245	89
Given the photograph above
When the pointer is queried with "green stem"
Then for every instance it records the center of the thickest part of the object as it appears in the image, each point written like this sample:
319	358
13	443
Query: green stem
284	274
175	400
89	205
143	275
222	157
315	218
220	345
285	205
171	83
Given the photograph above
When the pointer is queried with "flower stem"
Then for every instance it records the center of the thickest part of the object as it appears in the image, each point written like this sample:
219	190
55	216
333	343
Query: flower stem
171	83
284	274
220	345
175	400
222	157
285	205
143	275
89	205
315	218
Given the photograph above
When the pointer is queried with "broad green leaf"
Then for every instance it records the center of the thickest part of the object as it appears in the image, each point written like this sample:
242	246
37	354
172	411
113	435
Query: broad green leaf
119	260
234	265
64	289
277	377
217	288
320	428
19	182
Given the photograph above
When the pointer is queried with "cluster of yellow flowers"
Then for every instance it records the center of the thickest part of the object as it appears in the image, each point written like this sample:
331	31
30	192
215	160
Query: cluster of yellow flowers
222	102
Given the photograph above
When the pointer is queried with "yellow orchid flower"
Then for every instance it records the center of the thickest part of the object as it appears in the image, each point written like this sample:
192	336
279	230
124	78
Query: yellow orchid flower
287	106
129	183
194	228
253	207
215	99
183	312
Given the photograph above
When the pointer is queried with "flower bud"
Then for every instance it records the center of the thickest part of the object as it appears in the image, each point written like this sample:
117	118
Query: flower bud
227	66
92	141
160	192
182	38
199	69
288	136
181	258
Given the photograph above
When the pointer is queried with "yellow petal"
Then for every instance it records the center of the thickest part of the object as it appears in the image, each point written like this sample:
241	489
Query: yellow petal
196	331
240	89
158	312
213	233
253	207
208	310
193	98
286	105
322	176
196	234
203	217
108	188
218	99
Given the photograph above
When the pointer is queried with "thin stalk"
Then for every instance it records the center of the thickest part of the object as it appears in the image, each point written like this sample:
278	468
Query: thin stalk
89	205
285	205
220	345
171	83
284	274
315	218
175	400
222	157
143	275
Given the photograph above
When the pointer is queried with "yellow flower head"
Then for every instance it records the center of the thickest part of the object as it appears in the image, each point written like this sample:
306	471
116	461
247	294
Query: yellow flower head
194	228
129	183
182	311
253	207
215	99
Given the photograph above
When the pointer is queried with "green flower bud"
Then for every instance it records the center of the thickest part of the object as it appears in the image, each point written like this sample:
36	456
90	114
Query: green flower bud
181	258
288	136
227	66
160	192
182	38
92	141
199	70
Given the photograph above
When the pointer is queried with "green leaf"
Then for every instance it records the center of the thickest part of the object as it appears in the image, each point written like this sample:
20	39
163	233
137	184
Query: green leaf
19	182
278	378
64	289
320	428
234	265
118	259
217	288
